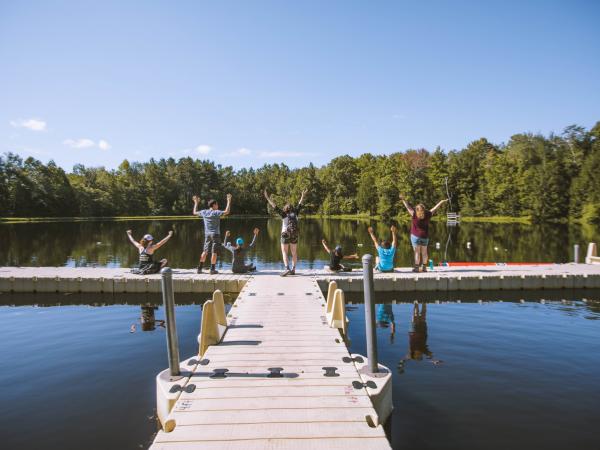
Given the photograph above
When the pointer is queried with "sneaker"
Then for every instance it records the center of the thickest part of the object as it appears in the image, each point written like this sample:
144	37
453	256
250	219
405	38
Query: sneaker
293	271
213	271
416	269
199	269
423	268
285	273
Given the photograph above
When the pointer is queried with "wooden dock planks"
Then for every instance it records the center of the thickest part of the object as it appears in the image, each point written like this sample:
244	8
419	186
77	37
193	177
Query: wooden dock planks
250	408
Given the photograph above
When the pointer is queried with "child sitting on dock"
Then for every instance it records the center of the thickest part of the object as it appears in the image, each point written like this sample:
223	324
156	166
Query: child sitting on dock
335	257
146	264
238	253
419	231
386	251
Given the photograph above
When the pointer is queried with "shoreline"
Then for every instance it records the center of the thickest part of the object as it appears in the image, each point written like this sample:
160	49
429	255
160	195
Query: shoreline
363	217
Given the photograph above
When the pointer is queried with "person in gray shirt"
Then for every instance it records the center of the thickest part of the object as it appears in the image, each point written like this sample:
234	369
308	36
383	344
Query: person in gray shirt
238	253
212	232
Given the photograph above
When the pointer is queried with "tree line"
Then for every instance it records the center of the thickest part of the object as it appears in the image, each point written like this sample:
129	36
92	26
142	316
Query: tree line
547	178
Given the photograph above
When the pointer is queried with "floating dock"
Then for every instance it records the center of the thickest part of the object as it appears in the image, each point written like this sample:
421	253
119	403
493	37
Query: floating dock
441	279
279	376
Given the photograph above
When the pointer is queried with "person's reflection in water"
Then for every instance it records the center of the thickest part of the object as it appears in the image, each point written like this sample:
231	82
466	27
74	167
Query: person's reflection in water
417	338
385	319
148	320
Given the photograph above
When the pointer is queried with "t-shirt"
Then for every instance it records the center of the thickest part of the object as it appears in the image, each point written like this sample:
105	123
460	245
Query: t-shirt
212	220
420	227
386	258
334	260
290	219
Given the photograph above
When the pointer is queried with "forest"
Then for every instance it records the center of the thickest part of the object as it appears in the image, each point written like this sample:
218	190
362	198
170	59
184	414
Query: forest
544	178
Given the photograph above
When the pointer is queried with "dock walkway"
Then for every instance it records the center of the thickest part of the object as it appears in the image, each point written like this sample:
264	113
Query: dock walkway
265	387
441	279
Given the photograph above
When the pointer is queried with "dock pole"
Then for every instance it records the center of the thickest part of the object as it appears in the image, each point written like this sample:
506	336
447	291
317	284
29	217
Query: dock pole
369	289
576	253
169	304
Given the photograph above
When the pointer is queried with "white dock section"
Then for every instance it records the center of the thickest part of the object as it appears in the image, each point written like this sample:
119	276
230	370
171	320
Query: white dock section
264	386
119	281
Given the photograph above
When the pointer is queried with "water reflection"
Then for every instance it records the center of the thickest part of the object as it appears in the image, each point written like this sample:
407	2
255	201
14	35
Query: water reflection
385	319
417	334
105	244
148	319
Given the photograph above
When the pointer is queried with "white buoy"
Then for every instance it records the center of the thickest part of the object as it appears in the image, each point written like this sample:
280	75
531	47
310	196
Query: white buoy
437	245
469	244
496	248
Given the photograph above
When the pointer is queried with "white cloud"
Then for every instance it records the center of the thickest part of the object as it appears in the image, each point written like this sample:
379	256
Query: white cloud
280	154
87	143
243	151
79	143
203	149
31	124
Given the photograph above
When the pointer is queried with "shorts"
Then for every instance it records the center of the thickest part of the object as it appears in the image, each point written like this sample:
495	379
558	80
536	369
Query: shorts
415	240
383	271
212	243
287	238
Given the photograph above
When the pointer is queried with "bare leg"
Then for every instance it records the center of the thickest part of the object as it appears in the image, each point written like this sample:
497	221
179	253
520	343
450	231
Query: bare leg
213	258
203	258
284	254
417	254
294	248
424	258
163	263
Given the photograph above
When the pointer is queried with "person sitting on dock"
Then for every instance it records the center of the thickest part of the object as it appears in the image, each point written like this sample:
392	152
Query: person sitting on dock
238	253
289	231
146	264
335	257
386	251
419	231
212	232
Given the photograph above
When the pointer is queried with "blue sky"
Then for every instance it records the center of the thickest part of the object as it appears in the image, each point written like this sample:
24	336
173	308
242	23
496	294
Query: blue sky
249	82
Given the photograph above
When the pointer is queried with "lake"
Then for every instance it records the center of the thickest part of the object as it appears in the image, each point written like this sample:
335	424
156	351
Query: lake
104	243
491	375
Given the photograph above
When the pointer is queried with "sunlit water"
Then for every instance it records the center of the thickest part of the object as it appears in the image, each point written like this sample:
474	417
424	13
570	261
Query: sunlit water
105	243
490	375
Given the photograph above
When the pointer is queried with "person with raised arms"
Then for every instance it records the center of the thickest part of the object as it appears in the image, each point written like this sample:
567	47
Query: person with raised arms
386	250
146	248
419	231
212	230
239	251
289	231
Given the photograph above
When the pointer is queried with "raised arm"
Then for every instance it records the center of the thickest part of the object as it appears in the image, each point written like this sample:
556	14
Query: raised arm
373	238
196	200
228	206
394	240
354	256
255	231
407	205
324	242
227	244
440	203
132	240
270	200
163	242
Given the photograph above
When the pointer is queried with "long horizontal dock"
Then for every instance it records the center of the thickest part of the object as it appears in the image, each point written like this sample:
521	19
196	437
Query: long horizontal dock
281	378
117	281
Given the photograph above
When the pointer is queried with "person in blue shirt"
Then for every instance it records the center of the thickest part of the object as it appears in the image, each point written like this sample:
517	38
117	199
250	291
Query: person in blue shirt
386	251
212	230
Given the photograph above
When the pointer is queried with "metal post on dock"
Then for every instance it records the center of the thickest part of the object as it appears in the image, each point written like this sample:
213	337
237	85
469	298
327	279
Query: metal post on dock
576	253
368	289
169	304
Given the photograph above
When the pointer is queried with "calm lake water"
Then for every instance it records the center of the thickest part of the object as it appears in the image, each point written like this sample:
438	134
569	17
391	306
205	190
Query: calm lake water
491	375
105	243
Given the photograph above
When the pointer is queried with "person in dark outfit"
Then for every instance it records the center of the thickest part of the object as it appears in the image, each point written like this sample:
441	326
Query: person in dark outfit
289	231
419	231
212	231
146	263
336	256
238	253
